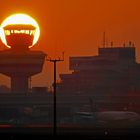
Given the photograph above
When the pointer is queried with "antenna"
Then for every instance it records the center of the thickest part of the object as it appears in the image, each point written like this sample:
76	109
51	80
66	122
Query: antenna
130	44
133	45
104	39
63	55
124	45
111	43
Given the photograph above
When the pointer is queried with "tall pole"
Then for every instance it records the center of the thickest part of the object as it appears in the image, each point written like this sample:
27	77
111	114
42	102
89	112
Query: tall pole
54	61
54	109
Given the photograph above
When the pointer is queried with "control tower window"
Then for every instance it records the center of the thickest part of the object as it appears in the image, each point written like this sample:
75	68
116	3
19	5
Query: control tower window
7	32
27	32
12	31
31	32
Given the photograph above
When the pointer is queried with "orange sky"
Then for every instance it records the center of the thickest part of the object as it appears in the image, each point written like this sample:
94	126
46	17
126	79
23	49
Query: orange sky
76	27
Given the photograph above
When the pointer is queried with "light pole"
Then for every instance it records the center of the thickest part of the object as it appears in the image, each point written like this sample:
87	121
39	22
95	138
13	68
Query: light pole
54	61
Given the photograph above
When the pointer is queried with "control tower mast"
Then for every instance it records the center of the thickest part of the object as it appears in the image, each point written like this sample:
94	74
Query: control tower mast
19	62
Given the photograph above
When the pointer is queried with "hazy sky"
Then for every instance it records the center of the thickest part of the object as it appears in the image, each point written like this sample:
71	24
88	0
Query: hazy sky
76	27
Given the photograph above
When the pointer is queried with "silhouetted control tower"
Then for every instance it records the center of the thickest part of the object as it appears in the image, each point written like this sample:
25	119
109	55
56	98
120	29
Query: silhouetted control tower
19	62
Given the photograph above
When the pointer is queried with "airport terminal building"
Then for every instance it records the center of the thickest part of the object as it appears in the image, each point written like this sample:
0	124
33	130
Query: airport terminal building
114	71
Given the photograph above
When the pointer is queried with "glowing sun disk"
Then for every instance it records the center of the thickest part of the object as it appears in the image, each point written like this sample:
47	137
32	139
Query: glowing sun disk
19	19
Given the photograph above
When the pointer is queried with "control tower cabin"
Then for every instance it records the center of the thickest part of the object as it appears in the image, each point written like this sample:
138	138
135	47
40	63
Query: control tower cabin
19	62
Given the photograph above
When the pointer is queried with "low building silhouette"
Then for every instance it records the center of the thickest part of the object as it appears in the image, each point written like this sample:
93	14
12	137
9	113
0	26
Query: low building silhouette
4	89
40	90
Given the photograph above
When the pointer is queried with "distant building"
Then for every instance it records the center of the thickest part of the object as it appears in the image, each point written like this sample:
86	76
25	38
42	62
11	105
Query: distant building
4	89
114	71
39	90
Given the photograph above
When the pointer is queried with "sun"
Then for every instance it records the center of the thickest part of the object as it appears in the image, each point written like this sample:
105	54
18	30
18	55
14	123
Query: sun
19	19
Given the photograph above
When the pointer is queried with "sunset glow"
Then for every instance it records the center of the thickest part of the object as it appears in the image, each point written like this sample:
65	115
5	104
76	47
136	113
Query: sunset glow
20	19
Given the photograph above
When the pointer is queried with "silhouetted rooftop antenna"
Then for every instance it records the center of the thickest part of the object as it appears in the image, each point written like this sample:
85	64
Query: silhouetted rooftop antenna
124	45
104	39
131	44
111	43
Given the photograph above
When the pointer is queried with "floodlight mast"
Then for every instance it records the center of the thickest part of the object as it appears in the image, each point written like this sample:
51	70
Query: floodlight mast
54	61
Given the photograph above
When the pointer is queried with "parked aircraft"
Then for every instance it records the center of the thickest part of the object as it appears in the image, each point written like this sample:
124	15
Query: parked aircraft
108	118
